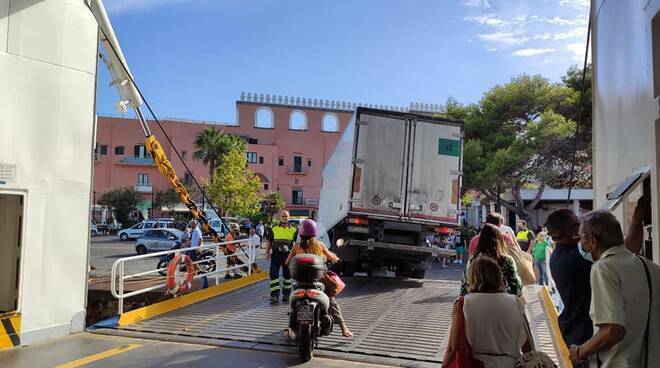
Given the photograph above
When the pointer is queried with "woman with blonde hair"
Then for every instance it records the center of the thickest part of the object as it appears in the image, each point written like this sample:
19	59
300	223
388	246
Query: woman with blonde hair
487	323
492	244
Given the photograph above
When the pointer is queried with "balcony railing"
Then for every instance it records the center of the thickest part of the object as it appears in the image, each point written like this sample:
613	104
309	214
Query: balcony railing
298	170
135	160
143	187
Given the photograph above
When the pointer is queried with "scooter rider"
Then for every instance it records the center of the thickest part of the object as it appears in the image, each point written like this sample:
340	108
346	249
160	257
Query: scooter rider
280	241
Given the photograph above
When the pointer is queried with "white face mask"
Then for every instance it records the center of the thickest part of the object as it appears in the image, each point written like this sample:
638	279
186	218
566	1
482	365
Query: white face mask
586	255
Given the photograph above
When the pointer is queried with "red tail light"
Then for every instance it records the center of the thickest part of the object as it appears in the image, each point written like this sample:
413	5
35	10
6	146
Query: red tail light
357	221
312	293
299	293
304	260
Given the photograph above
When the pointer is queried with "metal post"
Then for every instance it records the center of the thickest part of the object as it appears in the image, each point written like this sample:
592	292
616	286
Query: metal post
250	258
121	288
94	207
217	264
153	215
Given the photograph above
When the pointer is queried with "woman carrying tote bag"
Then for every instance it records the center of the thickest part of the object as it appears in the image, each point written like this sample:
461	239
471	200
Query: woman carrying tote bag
489	325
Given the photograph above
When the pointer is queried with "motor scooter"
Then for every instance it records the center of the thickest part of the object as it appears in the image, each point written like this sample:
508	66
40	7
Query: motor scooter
309	318
206	260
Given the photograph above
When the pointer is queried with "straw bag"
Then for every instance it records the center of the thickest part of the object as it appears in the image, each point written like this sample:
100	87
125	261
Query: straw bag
524	265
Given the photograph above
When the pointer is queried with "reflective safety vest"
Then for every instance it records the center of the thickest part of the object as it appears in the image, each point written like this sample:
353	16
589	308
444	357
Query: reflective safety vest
523	235
283	237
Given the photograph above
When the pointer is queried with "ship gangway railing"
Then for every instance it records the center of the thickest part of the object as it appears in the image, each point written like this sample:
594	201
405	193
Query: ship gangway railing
246	251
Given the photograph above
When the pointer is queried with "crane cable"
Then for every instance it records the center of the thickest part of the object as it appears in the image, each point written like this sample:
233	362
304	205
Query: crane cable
571	181
167	137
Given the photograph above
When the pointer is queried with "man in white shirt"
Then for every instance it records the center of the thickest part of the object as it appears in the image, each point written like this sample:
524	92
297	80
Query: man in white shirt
261	229
625	299
255	242
195	242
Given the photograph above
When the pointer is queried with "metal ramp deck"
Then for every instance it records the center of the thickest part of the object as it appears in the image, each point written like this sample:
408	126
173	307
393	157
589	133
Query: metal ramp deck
390	318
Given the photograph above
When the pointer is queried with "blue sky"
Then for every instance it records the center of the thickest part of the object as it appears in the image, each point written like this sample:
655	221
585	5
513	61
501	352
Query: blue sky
193	58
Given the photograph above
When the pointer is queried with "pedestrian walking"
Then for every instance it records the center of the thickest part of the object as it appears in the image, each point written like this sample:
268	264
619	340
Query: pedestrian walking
255	243
491	244
196	241
278	245
571	275
524	236
261	229
625	306
487	320
541	245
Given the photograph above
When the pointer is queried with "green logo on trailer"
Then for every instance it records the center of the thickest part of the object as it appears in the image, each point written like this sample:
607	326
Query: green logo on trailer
449	147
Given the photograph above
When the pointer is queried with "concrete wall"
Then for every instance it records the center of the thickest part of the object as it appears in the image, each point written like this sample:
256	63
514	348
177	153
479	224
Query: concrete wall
48	73
625	128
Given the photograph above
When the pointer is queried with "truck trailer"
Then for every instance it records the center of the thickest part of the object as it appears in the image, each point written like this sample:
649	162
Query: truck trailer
393	179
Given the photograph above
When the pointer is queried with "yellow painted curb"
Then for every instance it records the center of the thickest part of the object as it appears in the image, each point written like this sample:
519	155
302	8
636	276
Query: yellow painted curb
10	330
153	310
100	356
552	315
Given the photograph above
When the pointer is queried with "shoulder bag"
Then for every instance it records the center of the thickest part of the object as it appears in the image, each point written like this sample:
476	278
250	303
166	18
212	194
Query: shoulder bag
524	265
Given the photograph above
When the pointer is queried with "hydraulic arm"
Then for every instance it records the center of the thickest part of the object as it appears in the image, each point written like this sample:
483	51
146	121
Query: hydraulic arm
130	98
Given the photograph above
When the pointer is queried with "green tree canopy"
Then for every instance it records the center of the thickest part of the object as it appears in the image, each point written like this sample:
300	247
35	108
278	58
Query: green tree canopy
234	187
123	201
521	135
271	204
167	198
213	144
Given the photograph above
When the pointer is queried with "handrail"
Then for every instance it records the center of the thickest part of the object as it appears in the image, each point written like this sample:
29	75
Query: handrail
118	275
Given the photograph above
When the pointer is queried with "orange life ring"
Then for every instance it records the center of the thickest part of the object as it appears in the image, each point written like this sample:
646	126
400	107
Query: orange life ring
175	283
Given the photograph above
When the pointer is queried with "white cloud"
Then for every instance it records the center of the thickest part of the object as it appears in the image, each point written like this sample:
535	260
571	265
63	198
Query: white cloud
502	37
491	49
573	33
487	19
575	3
577	50
476	3
123	6
568	22
543	36
532	52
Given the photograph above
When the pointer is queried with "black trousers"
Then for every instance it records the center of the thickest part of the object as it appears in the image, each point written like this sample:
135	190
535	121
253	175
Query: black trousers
276	262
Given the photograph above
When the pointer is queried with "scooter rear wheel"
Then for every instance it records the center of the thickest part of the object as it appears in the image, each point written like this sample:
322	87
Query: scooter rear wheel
305	343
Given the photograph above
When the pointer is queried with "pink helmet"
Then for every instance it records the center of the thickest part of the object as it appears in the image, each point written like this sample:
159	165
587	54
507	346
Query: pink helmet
307	228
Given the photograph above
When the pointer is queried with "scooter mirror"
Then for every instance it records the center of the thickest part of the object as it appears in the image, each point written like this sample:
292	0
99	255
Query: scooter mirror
341	242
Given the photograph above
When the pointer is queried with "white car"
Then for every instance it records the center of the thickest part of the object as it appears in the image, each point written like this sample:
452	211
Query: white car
219	227
136	230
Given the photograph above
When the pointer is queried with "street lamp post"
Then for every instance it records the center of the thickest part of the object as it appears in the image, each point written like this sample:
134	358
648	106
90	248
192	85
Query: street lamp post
152	204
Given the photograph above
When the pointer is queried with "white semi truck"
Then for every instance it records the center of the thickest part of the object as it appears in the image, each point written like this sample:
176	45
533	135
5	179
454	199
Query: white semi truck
393	179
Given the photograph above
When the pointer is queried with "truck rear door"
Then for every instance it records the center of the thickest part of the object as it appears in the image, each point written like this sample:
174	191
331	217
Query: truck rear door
434	174
379	164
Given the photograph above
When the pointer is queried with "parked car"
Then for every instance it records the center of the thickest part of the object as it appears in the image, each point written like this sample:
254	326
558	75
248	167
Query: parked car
156	240
94	231
136	230
219	227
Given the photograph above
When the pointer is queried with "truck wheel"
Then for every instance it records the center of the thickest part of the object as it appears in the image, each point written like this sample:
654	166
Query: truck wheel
349	268
404	270
418	274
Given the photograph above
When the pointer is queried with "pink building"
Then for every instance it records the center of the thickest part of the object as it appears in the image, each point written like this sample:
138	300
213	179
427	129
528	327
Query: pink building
289	141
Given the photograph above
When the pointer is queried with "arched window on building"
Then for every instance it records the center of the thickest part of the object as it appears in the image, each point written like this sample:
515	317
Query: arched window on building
263	118
298	120
330	123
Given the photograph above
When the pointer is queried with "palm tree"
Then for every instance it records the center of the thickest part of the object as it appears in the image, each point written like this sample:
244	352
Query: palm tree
212	145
